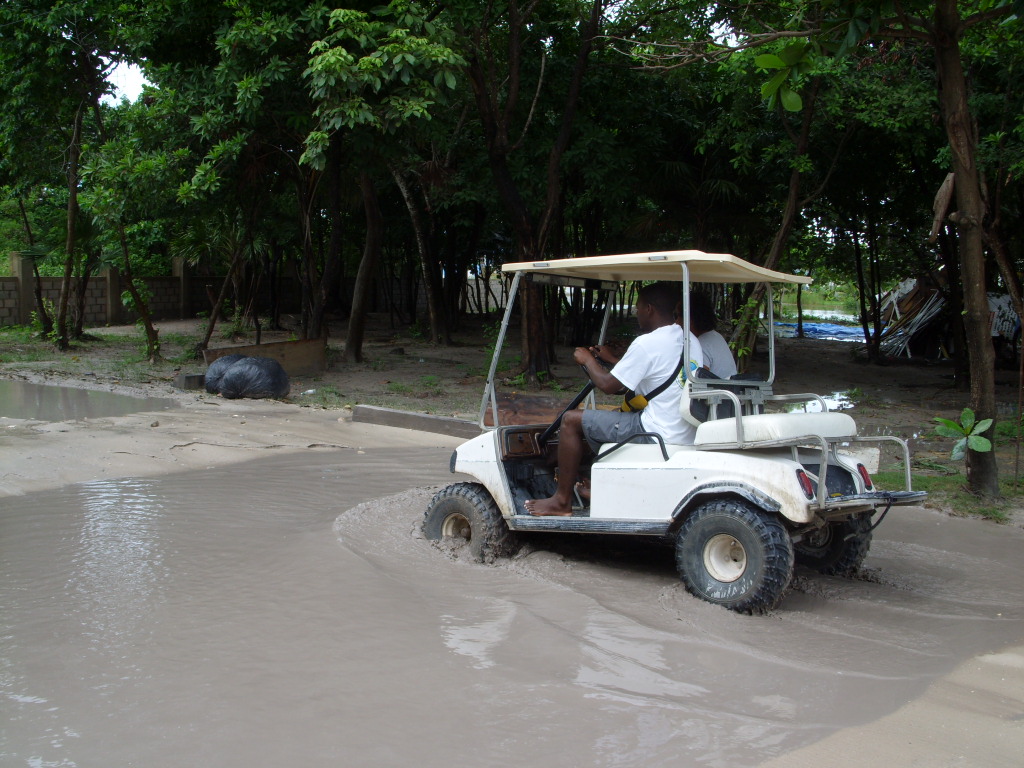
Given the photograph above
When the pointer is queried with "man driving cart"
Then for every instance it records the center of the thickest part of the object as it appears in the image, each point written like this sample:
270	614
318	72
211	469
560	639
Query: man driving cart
649	375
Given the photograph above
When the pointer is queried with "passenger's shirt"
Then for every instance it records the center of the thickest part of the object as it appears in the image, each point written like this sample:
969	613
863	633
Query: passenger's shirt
717	356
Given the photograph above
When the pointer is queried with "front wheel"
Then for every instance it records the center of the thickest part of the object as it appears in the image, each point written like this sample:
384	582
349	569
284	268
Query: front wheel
733	554
467	511
837	549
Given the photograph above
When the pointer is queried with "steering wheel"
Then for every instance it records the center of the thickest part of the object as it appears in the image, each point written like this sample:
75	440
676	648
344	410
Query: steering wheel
574	403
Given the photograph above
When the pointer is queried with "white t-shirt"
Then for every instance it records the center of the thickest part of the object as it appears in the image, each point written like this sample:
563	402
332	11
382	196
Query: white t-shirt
717	356
648	363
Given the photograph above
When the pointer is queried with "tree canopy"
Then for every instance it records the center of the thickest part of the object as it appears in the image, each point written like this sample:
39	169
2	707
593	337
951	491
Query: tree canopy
418	143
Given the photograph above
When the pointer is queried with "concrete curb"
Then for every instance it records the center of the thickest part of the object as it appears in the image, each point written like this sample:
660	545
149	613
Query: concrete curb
423	422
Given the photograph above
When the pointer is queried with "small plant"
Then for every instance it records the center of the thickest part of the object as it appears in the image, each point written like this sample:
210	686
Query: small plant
417	332
322	396
36	323
1009	430
431	383
930	465
236	327
967	434
518	381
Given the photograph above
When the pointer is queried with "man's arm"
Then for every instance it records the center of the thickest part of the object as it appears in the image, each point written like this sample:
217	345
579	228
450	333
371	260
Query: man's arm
598	374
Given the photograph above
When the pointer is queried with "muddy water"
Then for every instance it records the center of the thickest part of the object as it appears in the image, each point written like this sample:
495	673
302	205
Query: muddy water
41	402
271	614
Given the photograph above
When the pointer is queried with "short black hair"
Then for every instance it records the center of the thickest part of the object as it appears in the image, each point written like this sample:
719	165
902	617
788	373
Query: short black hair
663	296
702	312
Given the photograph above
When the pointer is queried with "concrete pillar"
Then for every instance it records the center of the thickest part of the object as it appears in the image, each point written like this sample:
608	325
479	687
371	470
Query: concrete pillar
21	268
114	307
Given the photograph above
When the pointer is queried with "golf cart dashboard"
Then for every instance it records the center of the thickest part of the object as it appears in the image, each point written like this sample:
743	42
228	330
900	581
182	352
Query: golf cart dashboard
521	442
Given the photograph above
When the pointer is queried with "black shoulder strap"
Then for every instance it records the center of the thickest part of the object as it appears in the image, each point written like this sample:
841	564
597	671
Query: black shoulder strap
664	385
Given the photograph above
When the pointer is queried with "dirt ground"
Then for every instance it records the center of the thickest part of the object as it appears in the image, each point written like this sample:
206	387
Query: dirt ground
400	370
920	663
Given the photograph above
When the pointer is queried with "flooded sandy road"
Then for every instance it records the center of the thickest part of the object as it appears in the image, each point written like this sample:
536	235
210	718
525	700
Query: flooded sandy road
286	612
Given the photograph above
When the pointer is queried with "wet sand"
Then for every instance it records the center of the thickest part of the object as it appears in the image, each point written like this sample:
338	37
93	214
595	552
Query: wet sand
244	584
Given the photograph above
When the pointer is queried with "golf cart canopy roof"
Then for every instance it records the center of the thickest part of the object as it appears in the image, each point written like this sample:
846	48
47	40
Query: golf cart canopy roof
658	265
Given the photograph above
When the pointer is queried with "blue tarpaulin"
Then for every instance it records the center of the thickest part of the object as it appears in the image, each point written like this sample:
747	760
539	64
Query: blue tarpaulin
830	331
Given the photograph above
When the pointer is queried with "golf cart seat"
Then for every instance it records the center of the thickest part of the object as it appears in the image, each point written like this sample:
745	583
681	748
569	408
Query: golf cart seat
697	408
776	428
710	408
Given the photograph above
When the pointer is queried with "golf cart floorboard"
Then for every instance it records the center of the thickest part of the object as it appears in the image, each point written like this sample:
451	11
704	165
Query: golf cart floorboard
579	524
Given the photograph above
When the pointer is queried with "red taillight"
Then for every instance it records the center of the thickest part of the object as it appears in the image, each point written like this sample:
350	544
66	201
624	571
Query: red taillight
805	483
865	476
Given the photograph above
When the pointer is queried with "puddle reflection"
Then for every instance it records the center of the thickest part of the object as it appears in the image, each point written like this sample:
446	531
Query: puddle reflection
44	402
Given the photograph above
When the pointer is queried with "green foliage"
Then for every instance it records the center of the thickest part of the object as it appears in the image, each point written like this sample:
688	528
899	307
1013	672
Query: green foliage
949	493
967	433
1009	430
378	70
790	65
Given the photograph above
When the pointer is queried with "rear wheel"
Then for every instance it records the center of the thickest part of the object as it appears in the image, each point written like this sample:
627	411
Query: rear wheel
733	554
466	511
839	548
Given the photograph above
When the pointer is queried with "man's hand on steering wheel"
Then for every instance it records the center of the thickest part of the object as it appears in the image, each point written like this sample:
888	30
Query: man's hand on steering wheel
597	372
605	354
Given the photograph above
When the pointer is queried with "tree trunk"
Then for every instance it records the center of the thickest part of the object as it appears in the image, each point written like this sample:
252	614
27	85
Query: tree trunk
745	333
531	233
74	153
982	472
862	292
219	302
957	343
367	268
438	333
77	330
152	338
332	262
305	188
45	321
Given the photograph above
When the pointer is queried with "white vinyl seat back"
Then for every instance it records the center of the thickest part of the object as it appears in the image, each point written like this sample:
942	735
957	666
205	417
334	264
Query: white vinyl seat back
686	403
774	427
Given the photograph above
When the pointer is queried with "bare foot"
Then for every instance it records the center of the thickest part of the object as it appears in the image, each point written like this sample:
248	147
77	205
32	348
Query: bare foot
548	508
583	489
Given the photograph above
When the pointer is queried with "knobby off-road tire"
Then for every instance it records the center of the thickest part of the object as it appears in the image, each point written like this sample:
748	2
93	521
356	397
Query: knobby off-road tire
733	554
839	548
467	511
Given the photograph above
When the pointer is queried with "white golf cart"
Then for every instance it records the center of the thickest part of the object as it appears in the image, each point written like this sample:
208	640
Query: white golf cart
756	492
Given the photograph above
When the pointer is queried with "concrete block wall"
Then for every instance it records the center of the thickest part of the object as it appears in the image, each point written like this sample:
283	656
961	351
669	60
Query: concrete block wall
164	301
17	301
9	288
178	296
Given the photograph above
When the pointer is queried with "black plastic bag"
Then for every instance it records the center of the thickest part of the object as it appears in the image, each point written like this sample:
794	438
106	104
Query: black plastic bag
216	371
253	377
